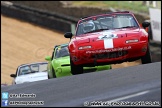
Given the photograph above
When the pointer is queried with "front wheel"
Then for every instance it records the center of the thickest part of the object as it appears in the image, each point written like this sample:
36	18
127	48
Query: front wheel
48	77
75	69
110	67
53	73
147	58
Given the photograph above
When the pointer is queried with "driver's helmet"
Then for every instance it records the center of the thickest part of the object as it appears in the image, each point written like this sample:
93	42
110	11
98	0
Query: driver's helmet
64	52
25	70
88	26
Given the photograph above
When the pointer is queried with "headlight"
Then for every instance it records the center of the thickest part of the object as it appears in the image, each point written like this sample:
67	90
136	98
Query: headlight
131	41
59	70
84	47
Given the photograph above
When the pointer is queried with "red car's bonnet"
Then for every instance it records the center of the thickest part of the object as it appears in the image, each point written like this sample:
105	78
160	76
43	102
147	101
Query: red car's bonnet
91	37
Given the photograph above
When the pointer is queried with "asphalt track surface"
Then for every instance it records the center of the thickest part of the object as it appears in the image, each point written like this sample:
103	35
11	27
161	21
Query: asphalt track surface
140	83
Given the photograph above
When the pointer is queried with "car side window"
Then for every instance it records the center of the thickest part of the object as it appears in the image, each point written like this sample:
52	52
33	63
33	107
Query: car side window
53	55
80	29
56	52
17	72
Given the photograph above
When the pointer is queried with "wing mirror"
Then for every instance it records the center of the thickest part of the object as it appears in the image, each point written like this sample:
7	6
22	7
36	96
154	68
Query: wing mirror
13	75
48	58
68	35
145	24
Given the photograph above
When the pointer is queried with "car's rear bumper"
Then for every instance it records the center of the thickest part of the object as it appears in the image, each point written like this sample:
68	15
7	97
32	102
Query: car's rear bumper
106	56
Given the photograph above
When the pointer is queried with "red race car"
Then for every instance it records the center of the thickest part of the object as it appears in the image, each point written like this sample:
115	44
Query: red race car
109	38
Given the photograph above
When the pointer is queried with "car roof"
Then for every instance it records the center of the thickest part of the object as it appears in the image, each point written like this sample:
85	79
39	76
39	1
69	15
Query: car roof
66	44
32	63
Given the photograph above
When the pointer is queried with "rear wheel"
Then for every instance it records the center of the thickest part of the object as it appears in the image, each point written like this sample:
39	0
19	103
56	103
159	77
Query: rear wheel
76	69
147	58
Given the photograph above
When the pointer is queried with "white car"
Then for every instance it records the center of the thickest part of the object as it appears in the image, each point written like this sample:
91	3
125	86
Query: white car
3	85
30	73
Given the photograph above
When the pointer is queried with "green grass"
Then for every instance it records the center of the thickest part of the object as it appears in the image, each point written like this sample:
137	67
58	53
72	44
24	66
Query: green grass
135	6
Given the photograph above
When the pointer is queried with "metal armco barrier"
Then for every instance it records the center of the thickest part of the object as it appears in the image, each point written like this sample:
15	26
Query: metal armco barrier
47	19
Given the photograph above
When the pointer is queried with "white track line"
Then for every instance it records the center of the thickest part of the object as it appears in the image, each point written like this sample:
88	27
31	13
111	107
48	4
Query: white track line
129	96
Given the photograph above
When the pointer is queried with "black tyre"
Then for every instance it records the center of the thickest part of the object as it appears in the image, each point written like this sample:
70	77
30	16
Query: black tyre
75	69
53	72
110	67
48	77
147	58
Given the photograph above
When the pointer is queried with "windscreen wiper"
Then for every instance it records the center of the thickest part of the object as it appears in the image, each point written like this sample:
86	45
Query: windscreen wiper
33	71
96	30
126	27
65	55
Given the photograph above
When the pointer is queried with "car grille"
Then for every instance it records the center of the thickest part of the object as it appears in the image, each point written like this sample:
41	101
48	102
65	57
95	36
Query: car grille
110	54
65	65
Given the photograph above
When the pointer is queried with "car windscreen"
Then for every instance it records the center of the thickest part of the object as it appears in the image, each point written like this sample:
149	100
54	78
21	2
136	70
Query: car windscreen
106	22
61	51
33	68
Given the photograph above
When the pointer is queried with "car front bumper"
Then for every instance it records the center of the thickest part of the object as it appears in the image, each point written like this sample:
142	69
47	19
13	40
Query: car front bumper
125	52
